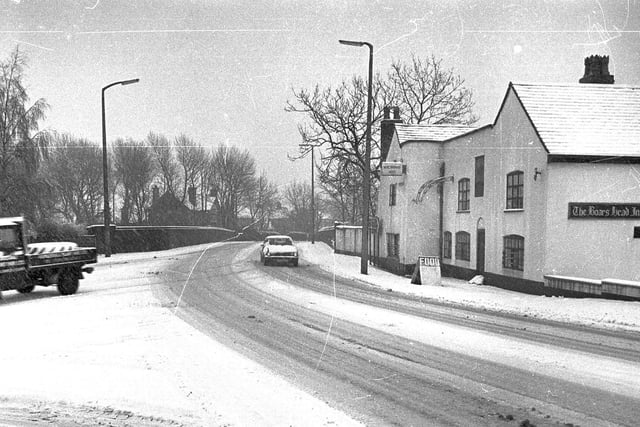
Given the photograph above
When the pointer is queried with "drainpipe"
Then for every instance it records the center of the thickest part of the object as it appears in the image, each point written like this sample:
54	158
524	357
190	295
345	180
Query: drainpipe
441	213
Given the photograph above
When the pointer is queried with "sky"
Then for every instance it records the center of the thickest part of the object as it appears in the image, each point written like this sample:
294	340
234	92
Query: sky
221	72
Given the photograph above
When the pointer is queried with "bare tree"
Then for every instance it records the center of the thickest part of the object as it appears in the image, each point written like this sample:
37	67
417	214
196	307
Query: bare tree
336	118
166	163
74	168
192	159
206	178
341	183
232	181
428	93
298	198
134	167
262	199
22	187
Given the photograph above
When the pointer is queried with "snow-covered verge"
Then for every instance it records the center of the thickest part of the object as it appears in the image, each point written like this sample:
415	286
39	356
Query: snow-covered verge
586	311
114	354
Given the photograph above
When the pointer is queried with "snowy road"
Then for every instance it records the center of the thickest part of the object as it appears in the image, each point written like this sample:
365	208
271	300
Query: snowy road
298	346
389	359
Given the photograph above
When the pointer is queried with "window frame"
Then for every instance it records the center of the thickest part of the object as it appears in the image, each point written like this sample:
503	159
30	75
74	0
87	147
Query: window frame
464	191
515	190
446	245
393	191
479	177
513	252
463	246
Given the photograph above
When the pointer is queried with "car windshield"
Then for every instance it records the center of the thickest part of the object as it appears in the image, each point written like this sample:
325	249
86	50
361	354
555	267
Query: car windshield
280	241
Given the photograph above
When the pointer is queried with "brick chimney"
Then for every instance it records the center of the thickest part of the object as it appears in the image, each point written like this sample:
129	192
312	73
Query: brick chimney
156	194
387	126
596	70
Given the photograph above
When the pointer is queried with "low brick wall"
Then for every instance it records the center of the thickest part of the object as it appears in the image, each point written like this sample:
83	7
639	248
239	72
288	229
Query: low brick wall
621	288
157	238
574	285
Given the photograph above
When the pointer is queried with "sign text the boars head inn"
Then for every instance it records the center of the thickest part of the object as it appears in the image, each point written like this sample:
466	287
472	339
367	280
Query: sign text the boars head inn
604	210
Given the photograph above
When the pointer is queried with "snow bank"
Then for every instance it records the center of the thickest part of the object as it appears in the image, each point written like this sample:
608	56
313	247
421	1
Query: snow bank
587	311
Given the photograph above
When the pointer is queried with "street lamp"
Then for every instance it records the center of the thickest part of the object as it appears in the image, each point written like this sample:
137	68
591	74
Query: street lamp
313	199
366	196
105	171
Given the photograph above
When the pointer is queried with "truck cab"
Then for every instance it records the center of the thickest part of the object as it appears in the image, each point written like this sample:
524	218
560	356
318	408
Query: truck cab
11	236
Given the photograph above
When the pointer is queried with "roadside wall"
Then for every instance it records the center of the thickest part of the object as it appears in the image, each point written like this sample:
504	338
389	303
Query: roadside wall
157	238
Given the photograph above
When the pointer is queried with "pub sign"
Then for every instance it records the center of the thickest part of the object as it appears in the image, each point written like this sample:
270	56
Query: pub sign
604	210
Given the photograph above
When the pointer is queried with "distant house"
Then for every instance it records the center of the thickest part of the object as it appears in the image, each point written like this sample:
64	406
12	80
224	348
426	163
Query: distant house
551	187
168	210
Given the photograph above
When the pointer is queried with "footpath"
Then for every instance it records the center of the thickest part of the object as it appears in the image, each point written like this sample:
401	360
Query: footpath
594	312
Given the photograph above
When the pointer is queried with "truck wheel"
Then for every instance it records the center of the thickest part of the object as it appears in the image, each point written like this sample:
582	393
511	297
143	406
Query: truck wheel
27	289
68	283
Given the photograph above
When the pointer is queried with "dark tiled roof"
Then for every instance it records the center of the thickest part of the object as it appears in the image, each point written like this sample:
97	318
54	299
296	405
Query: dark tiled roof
584	119
430	133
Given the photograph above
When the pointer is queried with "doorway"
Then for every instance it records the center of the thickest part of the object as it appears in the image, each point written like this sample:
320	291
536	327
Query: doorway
480	250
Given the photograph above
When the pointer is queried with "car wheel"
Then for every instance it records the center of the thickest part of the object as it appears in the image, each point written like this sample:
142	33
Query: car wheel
26	289
266	261
295	262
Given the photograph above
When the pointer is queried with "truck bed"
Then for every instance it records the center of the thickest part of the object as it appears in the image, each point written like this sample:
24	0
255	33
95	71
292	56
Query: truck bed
62	257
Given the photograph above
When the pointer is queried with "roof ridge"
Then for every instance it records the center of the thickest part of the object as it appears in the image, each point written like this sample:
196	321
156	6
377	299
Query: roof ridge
584	85
434	125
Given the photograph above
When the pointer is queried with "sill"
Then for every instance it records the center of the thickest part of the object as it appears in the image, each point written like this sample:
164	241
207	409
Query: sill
512	272
514	210
467	211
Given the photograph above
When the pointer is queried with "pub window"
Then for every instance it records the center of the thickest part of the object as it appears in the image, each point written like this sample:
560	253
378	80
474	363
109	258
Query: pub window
463	194
463	246
393	245
479	185
515	190
446	245
513	253
392	195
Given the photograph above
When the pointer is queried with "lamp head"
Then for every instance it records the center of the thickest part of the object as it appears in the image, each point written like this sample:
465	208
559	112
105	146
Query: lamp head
128	82
351	43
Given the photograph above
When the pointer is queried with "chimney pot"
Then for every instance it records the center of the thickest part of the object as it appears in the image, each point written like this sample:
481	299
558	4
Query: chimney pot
596	70
387	113
396	113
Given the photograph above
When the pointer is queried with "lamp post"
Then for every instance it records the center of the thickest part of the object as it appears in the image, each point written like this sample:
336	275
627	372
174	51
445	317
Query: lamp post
105	171
306	146
366	196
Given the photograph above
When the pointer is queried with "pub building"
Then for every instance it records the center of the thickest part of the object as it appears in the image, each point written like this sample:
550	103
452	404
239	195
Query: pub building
546	196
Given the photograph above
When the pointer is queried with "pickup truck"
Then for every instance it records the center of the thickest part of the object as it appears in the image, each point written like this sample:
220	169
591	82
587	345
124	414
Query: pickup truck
23	265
